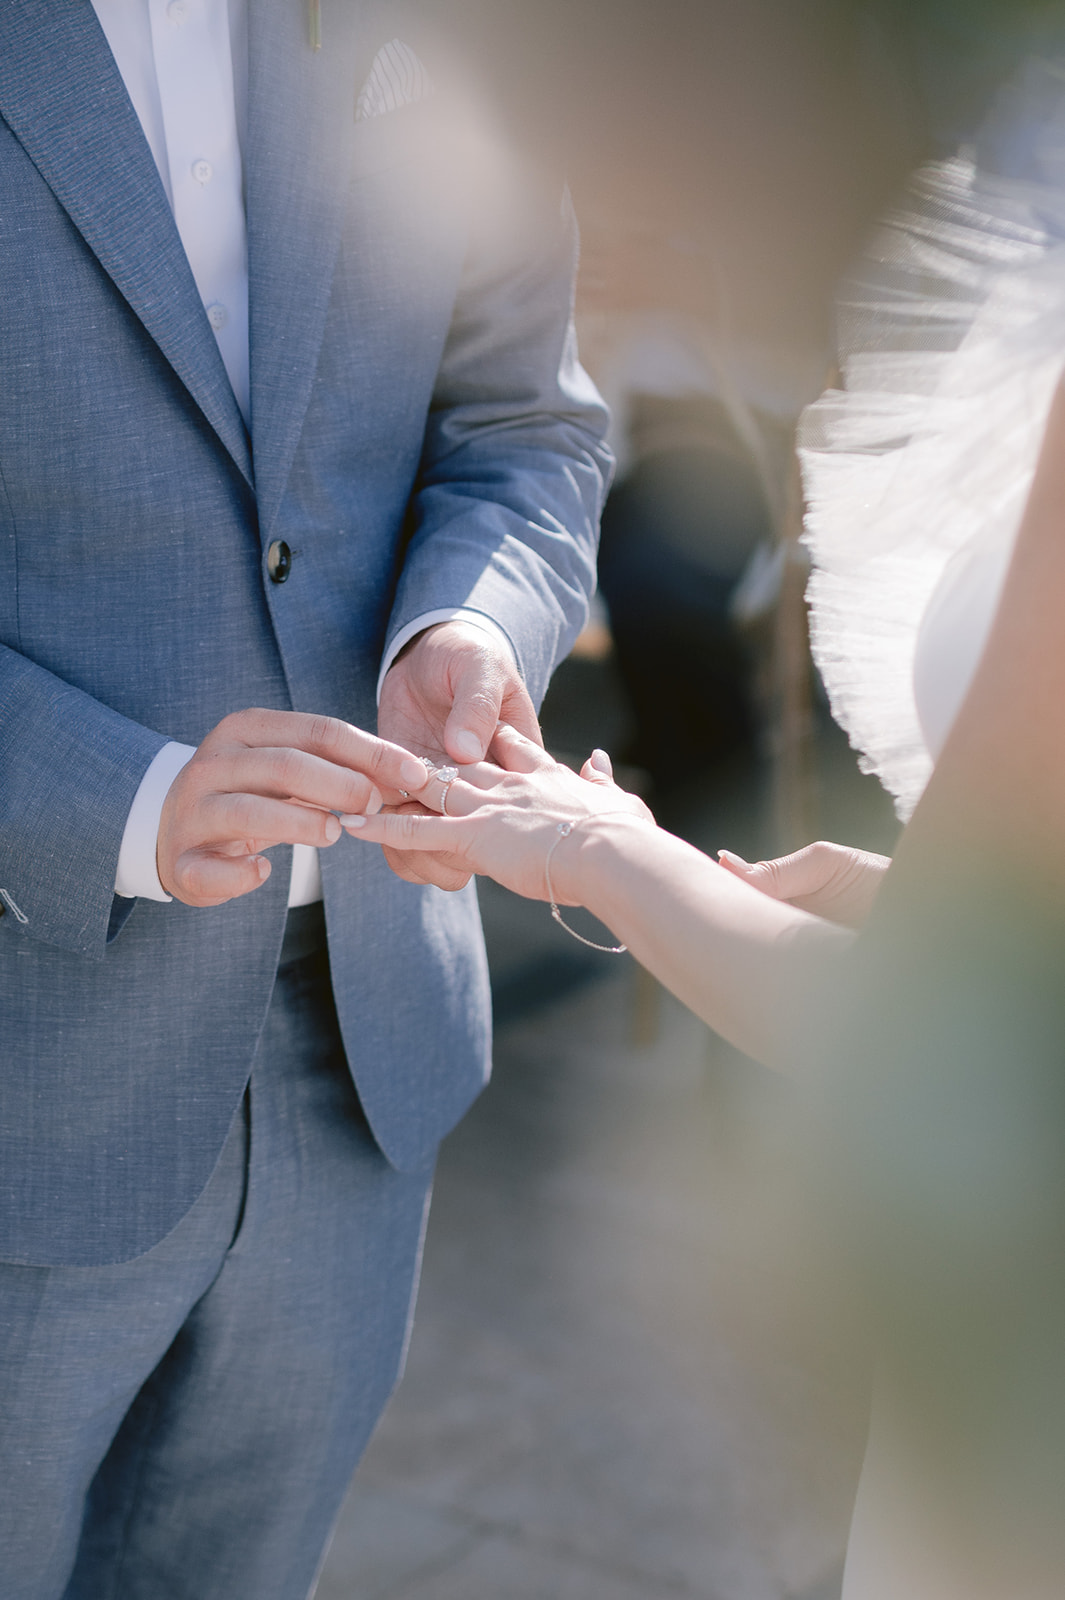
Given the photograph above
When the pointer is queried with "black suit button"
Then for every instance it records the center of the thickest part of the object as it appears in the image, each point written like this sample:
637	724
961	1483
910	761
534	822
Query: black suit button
278	561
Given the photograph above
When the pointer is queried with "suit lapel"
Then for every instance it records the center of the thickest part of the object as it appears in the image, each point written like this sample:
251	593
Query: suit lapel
301	106
63	98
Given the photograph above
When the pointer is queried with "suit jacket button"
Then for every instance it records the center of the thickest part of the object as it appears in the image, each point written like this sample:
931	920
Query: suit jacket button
278	561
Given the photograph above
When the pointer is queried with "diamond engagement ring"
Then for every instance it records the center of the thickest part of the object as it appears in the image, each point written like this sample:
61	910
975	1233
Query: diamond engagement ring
445	776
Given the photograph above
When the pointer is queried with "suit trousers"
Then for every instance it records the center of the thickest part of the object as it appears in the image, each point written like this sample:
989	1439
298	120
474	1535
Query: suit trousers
183	1426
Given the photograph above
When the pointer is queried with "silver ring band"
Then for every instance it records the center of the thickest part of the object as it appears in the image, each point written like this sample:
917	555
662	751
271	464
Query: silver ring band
445	777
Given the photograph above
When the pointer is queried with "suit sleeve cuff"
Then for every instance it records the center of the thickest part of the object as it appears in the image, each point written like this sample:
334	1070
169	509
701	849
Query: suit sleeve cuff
137	876
430	619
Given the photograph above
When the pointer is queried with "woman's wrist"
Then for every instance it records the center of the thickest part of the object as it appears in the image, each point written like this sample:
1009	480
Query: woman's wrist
585	863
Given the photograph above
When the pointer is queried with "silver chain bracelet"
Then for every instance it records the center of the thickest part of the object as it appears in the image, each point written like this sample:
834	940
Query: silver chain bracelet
562	831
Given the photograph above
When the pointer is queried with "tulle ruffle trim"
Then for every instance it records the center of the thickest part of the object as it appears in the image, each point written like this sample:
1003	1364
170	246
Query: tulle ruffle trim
952	335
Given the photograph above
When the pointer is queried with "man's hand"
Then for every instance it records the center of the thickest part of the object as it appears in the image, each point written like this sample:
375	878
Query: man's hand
269	777
444	697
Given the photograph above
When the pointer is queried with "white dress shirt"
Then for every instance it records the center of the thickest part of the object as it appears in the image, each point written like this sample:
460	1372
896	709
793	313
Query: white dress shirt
185	67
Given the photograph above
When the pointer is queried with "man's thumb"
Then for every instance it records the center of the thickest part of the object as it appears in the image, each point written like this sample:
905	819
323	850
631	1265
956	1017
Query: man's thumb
474	717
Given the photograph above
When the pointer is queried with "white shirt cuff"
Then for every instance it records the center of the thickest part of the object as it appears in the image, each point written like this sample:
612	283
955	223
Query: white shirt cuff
430	619
137	876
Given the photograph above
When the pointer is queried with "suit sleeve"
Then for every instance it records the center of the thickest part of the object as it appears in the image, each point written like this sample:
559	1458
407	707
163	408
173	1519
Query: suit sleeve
62	815
514	468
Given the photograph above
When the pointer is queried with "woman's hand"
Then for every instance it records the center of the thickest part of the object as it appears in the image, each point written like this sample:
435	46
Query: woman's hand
501	820
834	881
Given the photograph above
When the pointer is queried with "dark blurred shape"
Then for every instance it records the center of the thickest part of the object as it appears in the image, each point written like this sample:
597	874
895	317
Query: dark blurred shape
678	532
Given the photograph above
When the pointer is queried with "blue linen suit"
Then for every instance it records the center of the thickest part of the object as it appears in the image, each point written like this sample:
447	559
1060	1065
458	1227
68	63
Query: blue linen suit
422	438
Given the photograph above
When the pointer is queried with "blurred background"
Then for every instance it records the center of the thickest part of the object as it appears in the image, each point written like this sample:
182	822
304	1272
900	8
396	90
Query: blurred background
628	1378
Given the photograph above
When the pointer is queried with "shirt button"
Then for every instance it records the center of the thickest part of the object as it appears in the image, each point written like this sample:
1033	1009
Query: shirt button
202	171
278	561
217	316
177	12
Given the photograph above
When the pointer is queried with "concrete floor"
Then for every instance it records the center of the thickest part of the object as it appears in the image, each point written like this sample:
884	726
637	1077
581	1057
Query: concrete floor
622	1383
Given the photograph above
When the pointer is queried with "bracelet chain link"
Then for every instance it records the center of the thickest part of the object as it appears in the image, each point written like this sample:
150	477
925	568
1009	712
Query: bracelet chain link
562	831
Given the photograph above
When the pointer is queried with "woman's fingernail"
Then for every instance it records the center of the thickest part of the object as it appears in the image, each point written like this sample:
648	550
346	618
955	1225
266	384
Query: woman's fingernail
731	856
332	830
352	819
262	867
602	762
374	803
414	773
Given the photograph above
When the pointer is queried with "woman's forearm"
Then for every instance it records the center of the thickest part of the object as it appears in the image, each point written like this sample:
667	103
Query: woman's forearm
740	960
743	961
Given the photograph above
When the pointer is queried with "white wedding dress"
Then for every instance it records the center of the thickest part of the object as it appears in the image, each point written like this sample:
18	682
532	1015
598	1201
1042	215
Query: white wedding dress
916	475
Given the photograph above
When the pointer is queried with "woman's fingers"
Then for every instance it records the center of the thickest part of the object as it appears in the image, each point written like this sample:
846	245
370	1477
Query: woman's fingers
409	830
598	768
801	873
515	753
458	799
834	881
447	794
484	775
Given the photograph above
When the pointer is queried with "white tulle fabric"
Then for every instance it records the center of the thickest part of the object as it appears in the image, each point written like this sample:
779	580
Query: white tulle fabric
952	334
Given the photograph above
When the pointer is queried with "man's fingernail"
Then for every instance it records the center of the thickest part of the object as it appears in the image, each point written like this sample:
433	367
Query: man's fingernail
374	803
466	745
352	819
262	867
737	861
332	830
414	773
601	762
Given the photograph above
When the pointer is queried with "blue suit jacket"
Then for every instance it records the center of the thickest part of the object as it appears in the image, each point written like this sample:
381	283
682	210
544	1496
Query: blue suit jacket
422	437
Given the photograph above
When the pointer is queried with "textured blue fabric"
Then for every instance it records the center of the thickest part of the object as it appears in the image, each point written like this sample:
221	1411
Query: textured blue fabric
203	1407
412	379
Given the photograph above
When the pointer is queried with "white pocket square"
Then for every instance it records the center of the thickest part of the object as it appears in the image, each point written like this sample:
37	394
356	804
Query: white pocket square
397	78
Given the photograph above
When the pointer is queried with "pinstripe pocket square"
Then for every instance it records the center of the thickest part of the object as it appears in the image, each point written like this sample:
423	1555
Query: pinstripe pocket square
397	78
